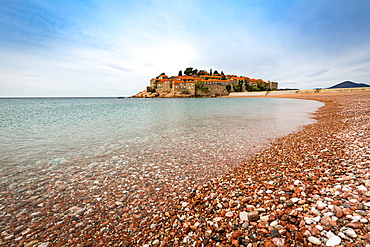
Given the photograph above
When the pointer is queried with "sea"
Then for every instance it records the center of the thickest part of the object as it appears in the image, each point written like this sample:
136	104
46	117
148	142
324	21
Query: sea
54	131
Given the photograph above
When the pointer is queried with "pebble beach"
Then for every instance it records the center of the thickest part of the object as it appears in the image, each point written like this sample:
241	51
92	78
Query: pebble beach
309	188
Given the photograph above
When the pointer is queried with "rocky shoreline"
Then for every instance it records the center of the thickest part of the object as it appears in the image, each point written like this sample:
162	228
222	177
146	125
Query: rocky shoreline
308	188
145	94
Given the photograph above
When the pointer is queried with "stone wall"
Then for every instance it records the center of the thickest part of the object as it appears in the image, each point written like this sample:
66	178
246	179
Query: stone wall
184	87
210	90
164	87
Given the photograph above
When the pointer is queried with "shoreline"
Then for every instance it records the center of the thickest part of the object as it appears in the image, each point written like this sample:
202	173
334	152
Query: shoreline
296	92
259	203
308	188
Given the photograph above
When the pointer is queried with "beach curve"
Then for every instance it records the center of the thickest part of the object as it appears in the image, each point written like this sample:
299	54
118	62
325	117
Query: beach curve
307	188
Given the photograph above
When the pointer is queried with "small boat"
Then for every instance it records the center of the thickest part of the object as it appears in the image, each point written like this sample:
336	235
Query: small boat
120	97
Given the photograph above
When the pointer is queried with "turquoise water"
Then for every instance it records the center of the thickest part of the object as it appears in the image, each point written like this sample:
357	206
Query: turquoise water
52	131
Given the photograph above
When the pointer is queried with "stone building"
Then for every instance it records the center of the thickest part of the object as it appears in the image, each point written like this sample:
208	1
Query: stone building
205	85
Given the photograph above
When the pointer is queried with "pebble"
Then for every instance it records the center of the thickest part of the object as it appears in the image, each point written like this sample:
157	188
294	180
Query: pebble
155	242
319	227
253	216
229	214
295	200
274	223
243	216
350	233
333	239
314	240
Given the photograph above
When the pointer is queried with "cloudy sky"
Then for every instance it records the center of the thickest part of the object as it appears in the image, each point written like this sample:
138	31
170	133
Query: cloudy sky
114	47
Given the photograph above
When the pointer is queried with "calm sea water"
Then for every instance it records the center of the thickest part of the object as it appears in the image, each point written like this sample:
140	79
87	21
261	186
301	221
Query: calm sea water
52	131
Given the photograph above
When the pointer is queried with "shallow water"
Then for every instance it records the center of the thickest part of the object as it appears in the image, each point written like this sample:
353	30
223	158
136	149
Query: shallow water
52	131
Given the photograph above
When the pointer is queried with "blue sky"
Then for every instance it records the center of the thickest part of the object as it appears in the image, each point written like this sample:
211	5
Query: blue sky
114	47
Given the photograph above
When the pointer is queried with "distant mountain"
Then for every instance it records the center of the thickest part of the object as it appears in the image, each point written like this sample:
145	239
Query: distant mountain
349	84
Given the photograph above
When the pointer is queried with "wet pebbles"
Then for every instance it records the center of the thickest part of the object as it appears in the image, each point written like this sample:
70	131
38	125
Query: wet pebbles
308	188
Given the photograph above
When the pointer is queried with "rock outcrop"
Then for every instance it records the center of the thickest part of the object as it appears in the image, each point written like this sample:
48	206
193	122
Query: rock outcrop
145	94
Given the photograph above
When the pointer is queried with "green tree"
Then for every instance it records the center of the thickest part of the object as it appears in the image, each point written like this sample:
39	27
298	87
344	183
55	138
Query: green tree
199	84
188	71
237	87
228	88
180	73
261	85
210	72
160	75
254	88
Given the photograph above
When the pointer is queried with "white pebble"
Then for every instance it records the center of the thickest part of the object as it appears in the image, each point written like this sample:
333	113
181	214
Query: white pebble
363	220
329	234
314	240
43	244
322	205
155	242
334	240
356	218
295	199
361	187
315	211
320	227
264	218
243	216
317	218
274	223
350	233
229	214
217	219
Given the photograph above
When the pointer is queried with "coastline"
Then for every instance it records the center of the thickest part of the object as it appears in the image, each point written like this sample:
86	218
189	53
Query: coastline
80	206
308	188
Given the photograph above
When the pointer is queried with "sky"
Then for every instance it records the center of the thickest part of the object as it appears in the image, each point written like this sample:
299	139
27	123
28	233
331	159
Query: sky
114	47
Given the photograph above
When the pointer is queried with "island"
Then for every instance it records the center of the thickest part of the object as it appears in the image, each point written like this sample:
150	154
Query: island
194	83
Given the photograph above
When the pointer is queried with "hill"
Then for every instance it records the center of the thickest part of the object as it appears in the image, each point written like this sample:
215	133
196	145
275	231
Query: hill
349	84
